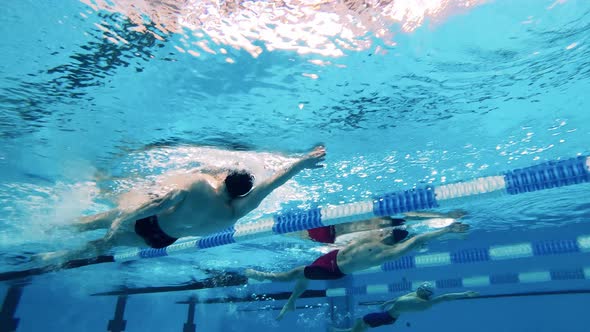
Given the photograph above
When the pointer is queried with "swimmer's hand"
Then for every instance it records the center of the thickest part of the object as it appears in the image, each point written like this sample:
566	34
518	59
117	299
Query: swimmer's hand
456	214
471	294
457	227
313	158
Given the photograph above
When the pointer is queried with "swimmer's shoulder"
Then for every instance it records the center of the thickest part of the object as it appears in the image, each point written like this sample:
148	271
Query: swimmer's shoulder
411	297
200	181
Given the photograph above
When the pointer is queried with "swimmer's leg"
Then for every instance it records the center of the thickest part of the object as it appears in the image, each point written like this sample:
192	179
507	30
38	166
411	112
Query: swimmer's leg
295	274
98	221
291	275
116	236
335	329
300	287
91	249
359	326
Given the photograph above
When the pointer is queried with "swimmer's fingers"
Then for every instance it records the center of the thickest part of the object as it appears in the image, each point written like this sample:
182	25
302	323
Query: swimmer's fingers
318	157
318	161
317	166
314	158
318	152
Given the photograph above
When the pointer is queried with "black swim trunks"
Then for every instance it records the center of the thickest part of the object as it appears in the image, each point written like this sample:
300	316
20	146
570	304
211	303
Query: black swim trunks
378	319
149	229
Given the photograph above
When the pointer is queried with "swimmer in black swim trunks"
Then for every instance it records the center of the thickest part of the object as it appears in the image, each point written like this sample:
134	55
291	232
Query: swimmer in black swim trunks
363	253
419	300
204	202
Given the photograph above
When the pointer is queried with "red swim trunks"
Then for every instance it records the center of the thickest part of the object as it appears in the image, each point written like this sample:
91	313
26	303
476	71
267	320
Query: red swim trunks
324	268
326	234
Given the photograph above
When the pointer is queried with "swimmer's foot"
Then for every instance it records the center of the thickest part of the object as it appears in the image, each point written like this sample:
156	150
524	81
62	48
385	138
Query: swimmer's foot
289	306
54	257
335	329
256	275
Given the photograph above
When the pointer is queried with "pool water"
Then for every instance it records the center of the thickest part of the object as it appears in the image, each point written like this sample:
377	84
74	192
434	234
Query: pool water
99	98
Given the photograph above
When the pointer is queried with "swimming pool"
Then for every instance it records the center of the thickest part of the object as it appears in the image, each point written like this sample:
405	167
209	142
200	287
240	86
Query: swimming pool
102	97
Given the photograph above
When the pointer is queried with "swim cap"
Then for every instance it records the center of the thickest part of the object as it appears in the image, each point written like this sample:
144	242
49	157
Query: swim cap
239	183
426	288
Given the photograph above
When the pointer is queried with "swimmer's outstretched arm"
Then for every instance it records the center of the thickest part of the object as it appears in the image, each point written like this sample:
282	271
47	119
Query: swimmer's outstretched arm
418	240
246	204
455	214
415	242
453	296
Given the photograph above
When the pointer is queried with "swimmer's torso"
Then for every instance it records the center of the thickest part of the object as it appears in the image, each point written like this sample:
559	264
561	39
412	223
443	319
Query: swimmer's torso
363	254
204	210
408	303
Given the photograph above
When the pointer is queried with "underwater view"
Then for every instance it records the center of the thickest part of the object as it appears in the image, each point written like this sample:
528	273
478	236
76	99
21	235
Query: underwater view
295	165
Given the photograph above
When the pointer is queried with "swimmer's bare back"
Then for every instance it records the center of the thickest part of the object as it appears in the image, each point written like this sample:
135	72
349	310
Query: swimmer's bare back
201	207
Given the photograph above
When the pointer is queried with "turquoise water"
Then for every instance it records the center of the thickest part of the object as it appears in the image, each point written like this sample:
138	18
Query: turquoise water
100	98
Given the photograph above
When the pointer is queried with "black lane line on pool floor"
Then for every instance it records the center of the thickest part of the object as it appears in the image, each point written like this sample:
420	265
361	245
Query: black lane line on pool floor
73	264
189	325
225	279
8	322
118	323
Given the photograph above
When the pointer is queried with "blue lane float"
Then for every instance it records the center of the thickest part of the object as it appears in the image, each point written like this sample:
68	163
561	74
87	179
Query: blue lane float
477	281
552	174
544	176
494	253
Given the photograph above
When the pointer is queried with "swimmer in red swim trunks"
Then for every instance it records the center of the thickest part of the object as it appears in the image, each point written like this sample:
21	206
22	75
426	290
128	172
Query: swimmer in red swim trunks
363	253
328	234
419	300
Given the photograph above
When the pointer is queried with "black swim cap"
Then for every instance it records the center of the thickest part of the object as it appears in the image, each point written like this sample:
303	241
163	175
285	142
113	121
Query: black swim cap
238	183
